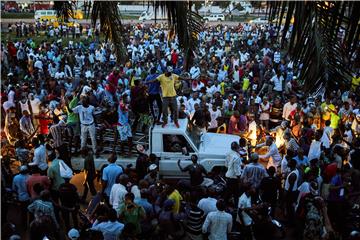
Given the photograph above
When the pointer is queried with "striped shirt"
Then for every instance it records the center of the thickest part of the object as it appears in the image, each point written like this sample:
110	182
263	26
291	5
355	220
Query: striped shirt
253	173
56	133
195	218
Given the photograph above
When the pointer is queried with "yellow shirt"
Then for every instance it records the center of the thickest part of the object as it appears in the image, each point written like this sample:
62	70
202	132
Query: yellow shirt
326	114
335	119
246	84
176	197
222	88
168	84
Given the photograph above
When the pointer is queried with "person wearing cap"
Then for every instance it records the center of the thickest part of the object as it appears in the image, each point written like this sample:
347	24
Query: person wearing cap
19	186
167	83
153	174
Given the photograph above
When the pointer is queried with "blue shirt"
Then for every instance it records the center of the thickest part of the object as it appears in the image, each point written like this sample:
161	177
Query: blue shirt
148	207
110	173
110	230
19	186
304	161
154	87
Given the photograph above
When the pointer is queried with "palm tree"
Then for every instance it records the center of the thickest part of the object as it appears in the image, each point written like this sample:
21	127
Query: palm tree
324	38
181	18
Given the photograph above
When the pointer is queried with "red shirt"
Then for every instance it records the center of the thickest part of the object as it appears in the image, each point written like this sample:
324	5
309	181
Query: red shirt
113	82
35	178
174	58
44	122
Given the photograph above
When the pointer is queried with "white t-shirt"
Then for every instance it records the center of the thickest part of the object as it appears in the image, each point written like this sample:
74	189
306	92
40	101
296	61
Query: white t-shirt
191	104
315	150
264	115
277	82
214	115
245	202
85	114
35	106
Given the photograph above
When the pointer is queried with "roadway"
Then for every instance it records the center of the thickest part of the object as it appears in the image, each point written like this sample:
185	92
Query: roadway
6	21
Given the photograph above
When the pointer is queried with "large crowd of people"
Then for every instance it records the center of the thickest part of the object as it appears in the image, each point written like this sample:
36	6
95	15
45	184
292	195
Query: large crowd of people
298	157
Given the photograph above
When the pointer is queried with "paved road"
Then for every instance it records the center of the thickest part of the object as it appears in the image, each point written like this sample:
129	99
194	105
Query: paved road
6	21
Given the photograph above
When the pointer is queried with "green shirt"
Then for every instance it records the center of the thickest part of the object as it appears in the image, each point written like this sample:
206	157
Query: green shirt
132	215
53	173
73	117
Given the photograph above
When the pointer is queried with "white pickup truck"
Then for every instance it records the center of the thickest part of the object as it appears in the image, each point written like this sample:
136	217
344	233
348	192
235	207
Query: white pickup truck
171	144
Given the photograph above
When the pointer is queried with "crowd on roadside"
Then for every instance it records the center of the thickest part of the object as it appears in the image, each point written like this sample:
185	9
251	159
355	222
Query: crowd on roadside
298	154
53	29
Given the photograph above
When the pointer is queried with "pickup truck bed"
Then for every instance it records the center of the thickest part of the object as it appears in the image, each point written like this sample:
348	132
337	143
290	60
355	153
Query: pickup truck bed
78	162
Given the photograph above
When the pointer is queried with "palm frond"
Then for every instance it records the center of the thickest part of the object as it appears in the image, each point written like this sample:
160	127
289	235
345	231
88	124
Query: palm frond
186	23
110	24
64	8
314	40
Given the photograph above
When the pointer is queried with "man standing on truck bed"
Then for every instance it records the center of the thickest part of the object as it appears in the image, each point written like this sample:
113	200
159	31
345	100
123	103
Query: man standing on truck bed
167	83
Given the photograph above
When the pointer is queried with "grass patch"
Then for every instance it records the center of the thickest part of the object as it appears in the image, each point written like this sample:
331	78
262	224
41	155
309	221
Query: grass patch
42	37
17	15
244	18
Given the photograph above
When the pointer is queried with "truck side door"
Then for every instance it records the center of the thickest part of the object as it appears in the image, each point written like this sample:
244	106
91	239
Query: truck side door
173	147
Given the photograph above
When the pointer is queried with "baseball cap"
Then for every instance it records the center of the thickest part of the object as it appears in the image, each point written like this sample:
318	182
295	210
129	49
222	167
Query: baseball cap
23	168
169	69
73	234
152	167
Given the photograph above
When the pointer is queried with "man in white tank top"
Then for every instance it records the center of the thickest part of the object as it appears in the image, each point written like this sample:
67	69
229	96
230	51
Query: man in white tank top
291	186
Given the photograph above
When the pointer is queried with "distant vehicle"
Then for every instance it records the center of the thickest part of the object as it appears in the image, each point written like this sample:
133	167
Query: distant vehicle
51	15
260	20
43	15
247	10
214	17
150	15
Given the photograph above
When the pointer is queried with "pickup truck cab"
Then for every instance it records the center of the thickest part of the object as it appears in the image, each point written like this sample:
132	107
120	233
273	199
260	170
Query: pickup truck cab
171	144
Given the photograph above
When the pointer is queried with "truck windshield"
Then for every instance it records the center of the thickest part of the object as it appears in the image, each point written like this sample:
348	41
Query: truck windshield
194	136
